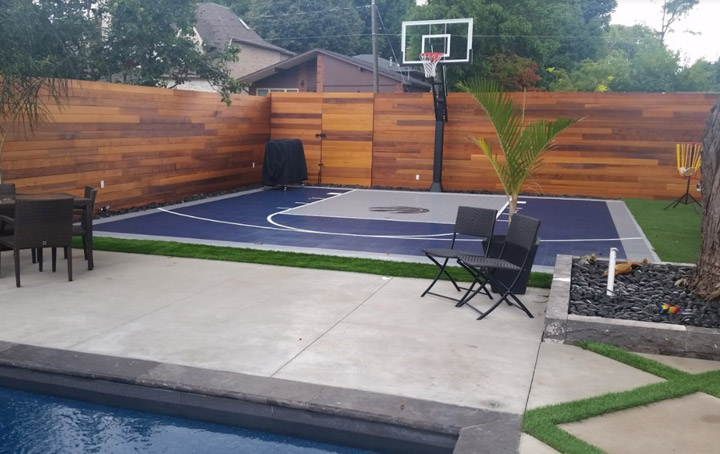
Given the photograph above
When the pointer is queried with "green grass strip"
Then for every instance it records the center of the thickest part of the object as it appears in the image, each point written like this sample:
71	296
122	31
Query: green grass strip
674	233
292	259
631	359
543	423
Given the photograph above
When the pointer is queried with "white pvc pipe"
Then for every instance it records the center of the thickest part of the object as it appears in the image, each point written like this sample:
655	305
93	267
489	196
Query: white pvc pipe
611	271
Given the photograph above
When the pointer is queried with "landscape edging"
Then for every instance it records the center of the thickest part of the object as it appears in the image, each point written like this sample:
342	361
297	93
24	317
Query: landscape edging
642	337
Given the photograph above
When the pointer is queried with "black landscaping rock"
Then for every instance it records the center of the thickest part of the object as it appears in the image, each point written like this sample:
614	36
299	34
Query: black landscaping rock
640	295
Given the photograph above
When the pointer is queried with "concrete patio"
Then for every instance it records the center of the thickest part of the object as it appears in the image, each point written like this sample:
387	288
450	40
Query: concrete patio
330	329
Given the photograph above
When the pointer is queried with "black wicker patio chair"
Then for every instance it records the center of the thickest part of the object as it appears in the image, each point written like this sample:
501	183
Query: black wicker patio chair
520	239
7	191
38	223
471	223
82	224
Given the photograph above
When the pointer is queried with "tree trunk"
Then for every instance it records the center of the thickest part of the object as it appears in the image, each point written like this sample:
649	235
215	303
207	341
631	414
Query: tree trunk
705	281
512	208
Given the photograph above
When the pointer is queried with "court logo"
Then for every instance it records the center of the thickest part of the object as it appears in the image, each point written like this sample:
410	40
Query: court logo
400	210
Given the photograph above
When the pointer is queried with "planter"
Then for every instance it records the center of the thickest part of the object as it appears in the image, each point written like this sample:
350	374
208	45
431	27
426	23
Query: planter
637	336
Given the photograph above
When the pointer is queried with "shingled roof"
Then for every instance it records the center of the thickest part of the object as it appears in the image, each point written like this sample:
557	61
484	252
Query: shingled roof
218	26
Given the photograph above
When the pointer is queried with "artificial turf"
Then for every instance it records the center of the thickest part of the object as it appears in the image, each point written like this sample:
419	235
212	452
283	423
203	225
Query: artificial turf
543	423
294	259
674	233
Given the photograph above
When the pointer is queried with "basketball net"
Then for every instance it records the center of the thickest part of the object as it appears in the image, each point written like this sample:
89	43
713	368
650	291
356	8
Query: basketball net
430	61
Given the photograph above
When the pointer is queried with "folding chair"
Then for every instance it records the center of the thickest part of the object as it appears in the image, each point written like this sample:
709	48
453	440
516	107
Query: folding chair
477	223
520	239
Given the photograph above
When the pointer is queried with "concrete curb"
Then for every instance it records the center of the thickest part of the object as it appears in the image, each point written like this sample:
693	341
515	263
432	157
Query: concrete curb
374	421
642	337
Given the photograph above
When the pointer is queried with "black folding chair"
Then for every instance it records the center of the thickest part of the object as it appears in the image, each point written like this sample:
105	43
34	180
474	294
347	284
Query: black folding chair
514	257
471	223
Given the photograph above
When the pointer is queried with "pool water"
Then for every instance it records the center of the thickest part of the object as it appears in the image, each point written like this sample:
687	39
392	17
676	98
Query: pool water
39	424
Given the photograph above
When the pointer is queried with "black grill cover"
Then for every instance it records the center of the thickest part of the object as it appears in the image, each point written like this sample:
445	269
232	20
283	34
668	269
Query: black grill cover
284	162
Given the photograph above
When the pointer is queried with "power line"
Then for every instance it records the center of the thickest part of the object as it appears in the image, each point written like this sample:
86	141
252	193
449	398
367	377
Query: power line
304	13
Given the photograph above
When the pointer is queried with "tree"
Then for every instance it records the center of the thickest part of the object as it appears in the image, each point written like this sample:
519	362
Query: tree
513	73
551	33
705	281
701	76
390	14
650	66
239	7
150	43
35	58
672	11
591	75
522	145
301	25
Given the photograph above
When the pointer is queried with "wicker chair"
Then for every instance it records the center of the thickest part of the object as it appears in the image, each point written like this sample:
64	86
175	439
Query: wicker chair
521	237
471	223
7	191
38	223
82	225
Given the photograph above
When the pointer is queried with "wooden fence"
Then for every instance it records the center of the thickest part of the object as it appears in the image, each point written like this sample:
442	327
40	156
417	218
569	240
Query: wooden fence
145	144
151	144
623	147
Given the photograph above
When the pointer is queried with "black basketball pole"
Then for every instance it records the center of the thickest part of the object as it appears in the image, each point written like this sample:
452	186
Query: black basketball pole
440	105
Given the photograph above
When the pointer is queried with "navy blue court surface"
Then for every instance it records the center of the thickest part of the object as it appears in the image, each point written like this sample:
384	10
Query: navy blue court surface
392	225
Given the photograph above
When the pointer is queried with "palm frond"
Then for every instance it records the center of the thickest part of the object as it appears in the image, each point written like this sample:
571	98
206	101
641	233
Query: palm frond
522	146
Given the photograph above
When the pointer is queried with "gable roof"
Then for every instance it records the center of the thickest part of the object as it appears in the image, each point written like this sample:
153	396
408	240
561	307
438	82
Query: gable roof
312	54
218	26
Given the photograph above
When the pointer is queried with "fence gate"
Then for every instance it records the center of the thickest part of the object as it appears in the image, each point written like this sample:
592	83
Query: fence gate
336	130
347	138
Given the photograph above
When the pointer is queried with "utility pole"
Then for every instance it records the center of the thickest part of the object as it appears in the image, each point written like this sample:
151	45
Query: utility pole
376	84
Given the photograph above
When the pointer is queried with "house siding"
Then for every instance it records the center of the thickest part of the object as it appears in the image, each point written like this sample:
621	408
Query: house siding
327	74
254	58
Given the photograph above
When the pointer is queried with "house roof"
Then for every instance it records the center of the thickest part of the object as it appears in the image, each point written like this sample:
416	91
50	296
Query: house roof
384	63
312	54
218	26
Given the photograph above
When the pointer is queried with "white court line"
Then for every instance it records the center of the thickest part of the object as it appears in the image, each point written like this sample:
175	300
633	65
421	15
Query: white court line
313	203
437	236
359	235
284	228
590	239
216	221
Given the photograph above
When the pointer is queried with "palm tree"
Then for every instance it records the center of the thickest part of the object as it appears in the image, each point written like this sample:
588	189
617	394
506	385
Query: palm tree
33	60
522	145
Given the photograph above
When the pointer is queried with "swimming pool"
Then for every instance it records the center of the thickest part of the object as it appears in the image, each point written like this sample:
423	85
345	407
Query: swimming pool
36	423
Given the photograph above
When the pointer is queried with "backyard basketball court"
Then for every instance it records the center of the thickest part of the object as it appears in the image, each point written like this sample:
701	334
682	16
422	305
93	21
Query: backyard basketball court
380	224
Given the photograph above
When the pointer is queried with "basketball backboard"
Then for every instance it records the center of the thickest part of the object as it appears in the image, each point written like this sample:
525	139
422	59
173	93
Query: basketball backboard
452	37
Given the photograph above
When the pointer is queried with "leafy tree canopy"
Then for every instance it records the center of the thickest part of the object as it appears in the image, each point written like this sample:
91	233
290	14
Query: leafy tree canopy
390	14
550	33
301	25
134	41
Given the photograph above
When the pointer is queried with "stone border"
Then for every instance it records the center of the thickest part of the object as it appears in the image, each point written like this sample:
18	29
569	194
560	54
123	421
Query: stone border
374	421
642	337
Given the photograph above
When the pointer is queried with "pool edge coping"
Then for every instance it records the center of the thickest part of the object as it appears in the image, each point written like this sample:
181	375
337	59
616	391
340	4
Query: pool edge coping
473	428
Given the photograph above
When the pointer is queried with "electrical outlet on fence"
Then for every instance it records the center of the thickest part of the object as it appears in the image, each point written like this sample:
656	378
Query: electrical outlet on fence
102	183
417	177
253	165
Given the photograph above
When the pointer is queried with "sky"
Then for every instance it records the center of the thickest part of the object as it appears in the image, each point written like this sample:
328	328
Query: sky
703	18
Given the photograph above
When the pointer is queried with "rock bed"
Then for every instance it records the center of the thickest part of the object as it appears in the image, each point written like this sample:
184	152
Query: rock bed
640	295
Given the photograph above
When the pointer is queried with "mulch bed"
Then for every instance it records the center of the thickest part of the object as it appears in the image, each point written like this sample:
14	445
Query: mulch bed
640	295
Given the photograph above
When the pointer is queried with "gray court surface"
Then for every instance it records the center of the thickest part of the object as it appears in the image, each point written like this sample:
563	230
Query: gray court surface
438	207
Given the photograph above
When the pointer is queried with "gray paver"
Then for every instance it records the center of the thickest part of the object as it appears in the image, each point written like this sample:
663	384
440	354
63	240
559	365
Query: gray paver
566	372
686	425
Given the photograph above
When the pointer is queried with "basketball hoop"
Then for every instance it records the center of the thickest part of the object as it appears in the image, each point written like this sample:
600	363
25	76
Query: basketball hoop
430	61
